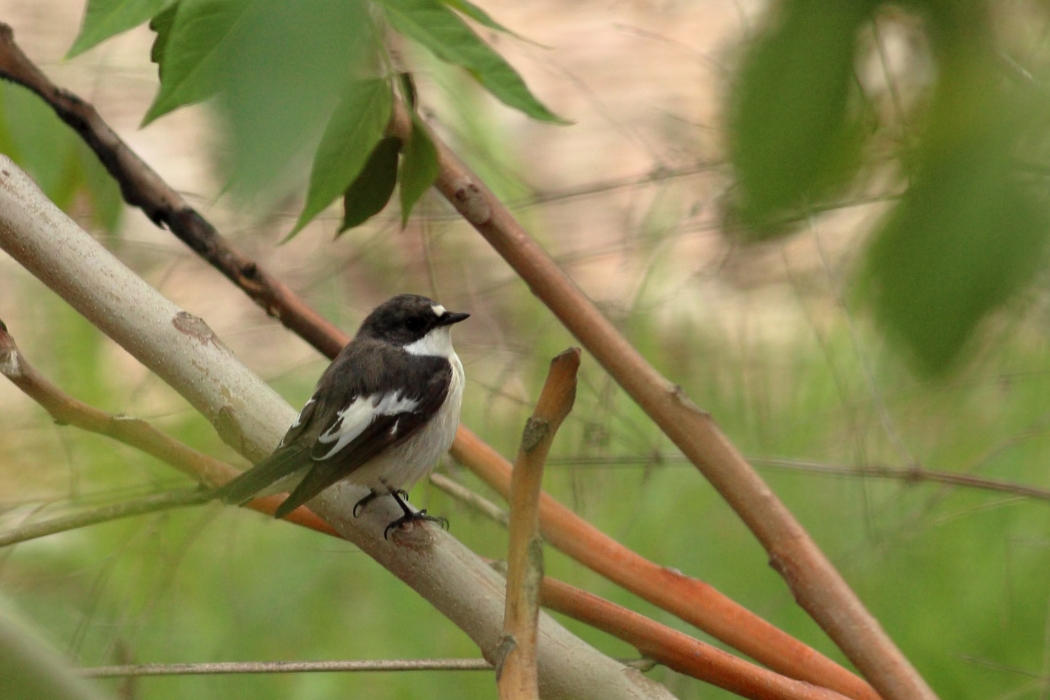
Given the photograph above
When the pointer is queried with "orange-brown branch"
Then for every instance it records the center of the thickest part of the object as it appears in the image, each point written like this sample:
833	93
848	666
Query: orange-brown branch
516	671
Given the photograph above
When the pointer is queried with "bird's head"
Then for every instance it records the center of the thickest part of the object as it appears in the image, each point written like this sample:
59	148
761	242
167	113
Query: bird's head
418	324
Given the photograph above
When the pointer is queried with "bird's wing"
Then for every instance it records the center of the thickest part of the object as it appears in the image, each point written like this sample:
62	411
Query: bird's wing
287	458
372	418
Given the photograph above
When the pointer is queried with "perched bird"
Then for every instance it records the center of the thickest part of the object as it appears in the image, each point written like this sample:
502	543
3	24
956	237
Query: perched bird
382	414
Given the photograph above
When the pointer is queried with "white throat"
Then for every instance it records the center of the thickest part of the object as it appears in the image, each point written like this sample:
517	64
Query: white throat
436	343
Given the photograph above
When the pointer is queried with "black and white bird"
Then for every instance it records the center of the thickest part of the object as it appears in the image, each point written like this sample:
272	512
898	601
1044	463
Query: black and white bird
382	415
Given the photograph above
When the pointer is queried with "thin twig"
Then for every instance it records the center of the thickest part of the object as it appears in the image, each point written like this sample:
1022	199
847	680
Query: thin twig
814	581
474	500
516	676
914	474
227	667
134	432
126	509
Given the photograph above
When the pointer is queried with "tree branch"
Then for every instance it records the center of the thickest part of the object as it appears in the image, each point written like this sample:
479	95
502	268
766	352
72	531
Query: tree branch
142	187
134	432
476	501
117	511
912	474
690	599
516	668
813	580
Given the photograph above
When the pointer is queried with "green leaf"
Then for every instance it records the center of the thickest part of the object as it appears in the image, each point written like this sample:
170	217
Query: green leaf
371	189
161	26
465	7
792	134
435	26
349	139
281	82
107	18
967	235
192	57
419	168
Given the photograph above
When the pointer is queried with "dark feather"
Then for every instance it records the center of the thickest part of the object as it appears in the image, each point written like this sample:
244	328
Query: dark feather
378	437
281	463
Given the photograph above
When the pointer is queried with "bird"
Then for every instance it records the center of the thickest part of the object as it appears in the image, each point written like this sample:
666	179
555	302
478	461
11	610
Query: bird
381	415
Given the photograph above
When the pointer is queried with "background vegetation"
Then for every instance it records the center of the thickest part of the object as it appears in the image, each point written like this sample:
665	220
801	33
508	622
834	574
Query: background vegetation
777	339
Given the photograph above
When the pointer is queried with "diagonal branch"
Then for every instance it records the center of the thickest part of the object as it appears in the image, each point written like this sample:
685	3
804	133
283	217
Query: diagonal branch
813	580
676	650
143	188
251	417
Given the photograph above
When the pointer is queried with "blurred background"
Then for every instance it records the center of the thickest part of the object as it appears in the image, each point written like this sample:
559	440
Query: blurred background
758	308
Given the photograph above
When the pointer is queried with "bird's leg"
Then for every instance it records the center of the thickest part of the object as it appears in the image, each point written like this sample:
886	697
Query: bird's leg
401	498
360	505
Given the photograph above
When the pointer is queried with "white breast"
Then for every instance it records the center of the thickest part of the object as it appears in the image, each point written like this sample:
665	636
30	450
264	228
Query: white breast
437	343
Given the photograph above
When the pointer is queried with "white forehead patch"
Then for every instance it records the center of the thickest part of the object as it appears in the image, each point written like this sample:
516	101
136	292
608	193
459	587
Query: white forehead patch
439	310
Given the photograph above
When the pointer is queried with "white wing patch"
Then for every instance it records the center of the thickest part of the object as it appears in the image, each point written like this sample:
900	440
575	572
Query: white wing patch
359	415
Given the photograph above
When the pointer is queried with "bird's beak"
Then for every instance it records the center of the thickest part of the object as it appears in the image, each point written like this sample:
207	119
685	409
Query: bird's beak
450	317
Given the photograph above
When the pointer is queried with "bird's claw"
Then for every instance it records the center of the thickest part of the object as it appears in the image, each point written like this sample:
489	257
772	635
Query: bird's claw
413	517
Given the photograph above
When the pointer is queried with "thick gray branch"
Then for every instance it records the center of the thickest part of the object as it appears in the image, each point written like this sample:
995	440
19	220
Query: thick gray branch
251	417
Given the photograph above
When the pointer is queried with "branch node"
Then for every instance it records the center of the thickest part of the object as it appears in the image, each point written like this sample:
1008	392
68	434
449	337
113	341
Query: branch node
507	644
471	202
683	400
535	430
10	367
195	327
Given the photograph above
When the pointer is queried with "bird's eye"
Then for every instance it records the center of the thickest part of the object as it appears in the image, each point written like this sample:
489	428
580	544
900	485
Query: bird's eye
415	324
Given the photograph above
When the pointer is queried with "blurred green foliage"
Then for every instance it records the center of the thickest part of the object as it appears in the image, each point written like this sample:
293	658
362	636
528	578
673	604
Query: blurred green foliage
66	170
796	133
105	18
969	231
959	578
282	70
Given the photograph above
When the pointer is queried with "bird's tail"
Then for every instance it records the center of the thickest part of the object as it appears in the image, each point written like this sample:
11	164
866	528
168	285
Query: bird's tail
255	481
